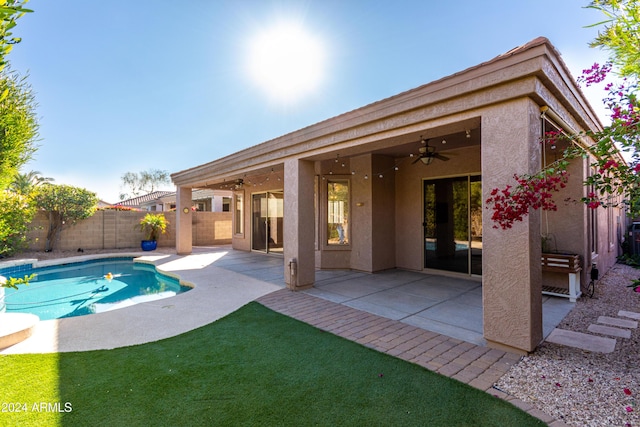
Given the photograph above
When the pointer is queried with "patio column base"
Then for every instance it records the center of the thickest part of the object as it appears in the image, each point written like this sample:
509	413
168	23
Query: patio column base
507	348
299	288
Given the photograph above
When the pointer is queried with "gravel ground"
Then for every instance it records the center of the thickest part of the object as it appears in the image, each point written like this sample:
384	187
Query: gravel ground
579	387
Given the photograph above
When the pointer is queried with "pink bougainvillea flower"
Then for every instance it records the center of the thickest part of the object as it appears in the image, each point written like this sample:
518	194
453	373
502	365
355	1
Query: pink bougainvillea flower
627	392
590	380
558	385
629	409
380	375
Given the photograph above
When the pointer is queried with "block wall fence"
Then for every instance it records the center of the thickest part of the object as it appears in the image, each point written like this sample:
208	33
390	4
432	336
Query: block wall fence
118	230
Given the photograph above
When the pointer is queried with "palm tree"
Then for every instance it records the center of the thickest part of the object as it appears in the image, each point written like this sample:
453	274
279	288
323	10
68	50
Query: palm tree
24	183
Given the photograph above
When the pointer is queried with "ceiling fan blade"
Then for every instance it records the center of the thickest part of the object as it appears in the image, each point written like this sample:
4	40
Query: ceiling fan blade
416	160
440	157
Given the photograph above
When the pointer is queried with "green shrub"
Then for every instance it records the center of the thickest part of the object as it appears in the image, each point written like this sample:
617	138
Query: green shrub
16	214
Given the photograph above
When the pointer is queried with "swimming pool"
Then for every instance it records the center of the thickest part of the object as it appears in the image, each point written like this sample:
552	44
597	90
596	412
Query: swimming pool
89	287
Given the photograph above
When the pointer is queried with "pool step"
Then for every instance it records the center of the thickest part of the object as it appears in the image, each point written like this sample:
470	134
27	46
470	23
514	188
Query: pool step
16	327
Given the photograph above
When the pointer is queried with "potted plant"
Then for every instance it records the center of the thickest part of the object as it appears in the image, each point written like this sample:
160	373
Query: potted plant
152	225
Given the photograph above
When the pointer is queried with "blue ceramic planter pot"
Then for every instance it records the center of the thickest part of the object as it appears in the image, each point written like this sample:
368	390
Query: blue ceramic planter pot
149	245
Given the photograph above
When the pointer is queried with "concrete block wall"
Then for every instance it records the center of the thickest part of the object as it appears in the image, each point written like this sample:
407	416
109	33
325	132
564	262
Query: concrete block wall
118	229
209	228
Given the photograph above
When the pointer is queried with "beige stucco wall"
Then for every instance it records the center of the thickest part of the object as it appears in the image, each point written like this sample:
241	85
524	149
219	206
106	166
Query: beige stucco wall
511	271
117	229
567	227
299	250
384	213
570	227
361	214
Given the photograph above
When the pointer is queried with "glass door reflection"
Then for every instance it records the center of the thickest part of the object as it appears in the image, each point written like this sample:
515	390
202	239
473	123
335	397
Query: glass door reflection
453	224
268	222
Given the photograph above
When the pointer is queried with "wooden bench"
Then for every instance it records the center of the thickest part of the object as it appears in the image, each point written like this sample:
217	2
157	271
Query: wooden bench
563	263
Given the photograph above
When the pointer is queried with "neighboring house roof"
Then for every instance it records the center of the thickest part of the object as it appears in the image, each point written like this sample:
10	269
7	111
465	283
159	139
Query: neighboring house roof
198	195
140	200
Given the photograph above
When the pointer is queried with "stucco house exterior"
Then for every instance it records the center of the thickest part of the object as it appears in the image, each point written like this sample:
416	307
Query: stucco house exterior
203	200
401	183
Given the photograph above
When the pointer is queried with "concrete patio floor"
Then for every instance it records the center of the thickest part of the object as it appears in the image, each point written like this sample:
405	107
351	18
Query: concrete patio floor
450	306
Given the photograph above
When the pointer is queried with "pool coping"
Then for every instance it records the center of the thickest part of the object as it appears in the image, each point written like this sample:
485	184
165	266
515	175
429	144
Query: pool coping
35	263
216	292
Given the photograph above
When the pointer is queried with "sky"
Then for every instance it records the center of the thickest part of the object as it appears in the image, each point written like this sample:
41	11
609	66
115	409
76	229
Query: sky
157	84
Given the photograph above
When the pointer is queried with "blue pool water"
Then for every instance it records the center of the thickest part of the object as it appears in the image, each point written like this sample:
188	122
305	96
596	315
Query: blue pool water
89	287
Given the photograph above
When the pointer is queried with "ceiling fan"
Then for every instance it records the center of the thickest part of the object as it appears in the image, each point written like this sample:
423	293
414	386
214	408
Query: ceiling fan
428	153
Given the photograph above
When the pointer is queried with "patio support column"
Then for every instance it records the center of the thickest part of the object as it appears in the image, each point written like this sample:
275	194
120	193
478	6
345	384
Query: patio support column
299	224
511	267
183	221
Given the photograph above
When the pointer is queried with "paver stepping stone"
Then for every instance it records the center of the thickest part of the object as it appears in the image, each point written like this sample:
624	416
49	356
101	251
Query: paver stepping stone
609	330
614	321
583	341
629	314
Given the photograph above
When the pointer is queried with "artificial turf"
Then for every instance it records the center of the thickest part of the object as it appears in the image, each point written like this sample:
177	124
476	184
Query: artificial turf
253	367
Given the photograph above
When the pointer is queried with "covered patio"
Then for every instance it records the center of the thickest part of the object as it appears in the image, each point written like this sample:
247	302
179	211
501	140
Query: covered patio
397	188
450	306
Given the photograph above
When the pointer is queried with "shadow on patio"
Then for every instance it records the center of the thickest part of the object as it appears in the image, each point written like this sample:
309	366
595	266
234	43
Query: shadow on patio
450	306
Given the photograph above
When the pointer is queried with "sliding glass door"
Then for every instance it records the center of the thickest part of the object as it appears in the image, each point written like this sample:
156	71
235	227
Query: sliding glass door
267	221
453	224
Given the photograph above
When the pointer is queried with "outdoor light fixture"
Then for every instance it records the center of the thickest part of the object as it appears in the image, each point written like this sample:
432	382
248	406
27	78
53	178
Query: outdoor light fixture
427	154
426	160
185	210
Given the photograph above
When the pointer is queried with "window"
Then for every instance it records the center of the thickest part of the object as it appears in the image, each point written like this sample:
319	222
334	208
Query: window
239	214
226	204
338	212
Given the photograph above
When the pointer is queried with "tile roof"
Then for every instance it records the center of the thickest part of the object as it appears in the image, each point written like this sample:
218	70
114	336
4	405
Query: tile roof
137	201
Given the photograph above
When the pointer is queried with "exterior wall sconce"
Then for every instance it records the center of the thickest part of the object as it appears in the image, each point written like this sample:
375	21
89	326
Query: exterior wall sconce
185	210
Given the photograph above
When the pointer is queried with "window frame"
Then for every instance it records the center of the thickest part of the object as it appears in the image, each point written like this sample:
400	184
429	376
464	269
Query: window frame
327	244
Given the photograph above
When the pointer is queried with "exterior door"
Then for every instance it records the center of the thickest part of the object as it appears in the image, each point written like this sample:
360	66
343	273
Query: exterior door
453	224
267	222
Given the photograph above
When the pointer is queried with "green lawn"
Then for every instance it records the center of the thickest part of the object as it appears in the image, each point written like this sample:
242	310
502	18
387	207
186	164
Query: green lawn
253	367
